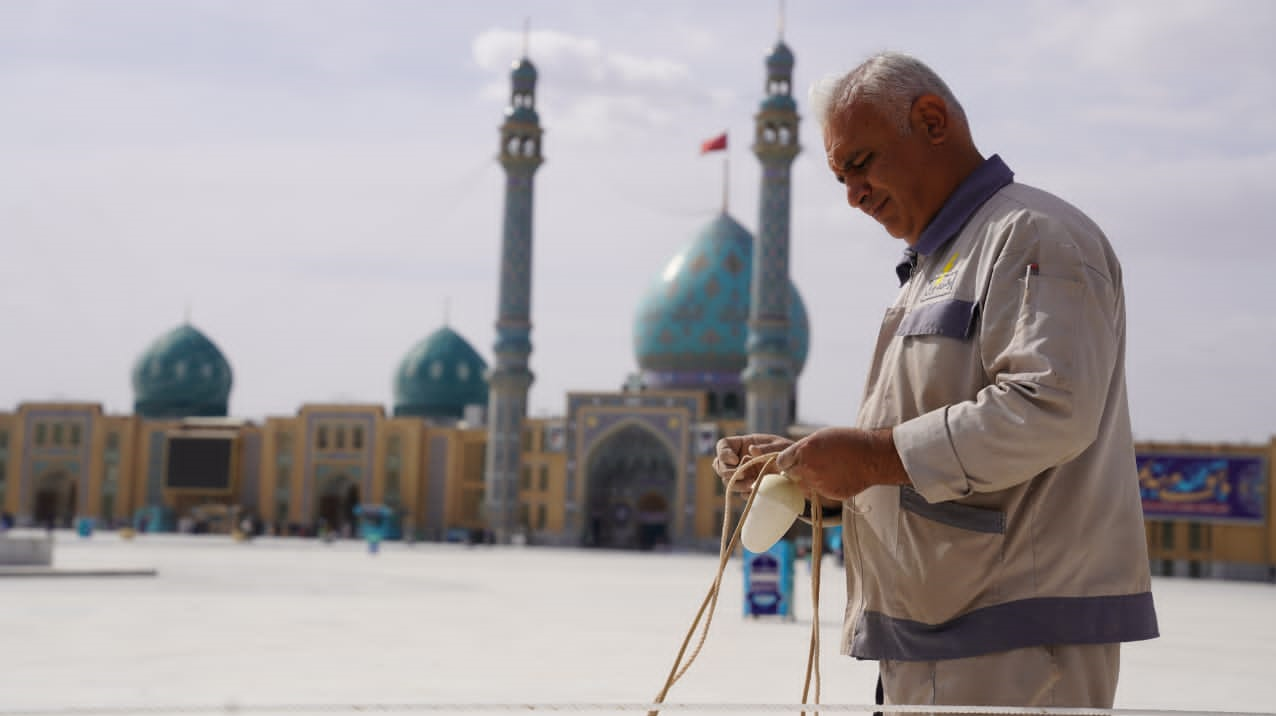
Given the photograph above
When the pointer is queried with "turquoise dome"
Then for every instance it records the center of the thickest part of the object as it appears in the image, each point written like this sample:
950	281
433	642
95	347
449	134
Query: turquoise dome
780	59
523	74
779	102
182	374
526	115
439	377
694	318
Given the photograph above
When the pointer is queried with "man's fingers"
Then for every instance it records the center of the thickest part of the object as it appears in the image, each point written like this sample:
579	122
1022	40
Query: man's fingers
734	452
787	458
724	471
727	454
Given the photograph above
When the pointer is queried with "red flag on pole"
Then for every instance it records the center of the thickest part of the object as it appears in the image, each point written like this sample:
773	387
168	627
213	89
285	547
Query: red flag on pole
716	144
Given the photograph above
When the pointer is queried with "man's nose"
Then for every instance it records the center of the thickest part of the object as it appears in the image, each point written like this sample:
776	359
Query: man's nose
857	193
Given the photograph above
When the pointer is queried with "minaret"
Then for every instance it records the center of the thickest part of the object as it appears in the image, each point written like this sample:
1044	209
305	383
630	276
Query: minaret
510	377
769	377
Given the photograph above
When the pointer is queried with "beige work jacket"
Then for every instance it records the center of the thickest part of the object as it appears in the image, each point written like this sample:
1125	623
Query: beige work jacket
1000	368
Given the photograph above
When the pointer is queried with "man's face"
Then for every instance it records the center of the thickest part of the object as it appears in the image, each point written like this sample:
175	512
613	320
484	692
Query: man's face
885	172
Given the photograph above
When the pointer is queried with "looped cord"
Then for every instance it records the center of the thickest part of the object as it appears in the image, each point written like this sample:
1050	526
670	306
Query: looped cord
709	604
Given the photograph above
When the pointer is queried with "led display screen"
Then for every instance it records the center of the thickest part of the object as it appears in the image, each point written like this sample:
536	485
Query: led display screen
199	463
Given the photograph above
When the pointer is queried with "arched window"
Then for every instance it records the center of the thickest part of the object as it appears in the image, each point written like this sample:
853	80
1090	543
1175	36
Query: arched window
786	136
713	403
768	134
321	437
511	148
529	147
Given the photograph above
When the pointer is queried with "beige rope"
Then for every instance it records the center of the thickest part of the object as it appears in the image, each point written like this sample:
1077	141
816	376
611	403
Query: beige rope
710	602
817	556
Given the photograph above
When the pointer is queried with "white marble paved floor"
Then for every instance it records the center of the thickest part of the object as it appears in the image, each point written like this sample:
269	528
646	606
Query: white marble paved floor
298	621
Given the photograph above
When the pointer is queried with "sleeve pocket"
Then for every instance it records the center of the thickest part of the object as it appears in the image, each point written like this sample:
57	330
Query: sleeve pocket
1047	330
952	318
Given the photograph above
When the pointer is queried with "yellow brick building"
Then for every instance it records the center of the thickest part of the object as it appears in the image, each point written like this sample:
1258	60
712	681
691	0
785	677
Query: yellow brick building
587	479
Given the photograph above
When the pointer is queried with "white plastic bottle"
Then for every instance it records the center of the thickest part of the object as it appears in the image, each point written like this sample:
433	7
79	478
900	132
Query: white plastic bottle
777	505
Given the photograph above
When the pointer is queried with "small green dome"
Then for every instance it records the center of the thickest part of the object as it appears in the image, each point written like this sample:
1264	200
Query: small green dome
523	74
182	374
694	319
526	115
780	59
439	377
780	103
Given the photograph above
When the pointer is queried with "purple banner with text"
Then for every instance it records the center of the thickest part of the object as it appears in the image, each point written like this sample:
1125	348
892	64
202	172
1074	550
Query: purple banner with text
1203	488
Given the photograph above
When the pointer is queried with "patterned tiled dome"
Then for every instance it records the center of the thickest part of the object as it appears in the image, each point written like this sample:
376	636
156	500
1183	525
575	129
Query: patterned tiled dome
439	377
182	374
694	319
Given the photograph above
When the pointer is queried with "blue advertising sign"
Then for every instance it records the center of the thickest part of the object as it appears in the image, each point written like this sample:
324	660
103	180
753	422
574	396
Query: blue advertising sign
768	581
1203	488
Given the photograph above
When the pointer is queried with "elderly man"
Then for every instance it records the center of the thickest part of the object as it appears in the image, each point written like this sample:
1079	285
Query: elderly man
995	550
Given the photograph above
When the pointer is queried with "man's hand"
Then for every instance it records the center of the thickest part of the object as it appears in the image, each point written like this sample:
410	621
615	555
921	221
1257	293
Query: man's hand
839	463
734	451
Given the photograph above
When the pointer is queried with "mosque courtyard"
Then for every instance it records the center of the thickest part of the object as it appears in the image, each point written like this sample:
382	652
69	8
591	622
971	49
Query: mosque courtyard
230	625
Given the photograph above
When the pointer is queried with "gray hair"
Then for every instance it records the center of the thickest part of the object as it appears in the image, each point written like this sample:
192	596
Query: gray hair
890	81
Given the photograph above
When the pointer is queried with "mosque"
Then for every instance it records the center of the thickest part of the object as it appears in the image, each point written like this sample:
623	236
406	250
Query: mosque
720	340
718	350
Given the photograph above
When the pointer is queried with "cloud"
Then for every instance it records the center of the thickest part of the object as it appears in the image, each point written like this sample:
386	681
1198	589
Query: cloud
581	62
597	92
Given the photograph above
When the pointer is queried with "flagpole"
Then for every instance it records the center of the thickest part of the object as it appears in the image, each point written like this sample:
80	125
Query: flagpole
726	179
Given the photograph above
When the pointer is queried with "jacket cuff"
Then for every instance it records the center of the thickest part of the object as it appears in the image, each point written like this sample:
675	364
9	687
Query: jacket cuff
930	459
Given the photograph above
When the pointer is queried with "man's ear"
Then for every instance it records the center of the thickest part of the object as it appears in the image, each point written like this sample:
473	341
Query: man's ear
929	117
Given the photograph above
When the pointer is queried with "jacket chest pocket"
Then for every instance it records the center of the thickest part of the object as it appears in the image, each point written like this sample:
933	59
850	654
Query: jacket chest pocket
939	358
951	318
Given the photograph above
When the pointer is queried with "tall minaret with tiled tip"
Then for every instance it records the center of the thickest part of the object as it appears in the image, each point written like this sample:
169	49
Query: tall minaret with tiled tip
510	378
769	376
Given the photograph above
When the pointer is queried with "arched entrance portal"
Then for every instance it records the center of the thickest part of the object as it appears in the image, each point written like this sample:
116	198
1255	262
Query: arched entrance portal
337	500
630	491
55	498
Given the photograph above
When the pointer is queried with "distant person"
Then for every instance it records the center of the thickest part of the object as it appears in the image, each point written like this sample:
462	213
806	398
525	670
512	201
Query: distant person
995	547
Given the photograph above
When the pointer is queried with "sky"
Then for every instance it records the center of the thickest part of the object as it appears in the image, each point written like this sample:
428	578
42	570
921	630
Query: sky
313	183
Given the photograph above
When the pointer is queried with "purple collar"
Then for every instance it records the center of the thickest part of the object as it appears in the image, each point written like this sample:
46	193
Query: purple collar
987	179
